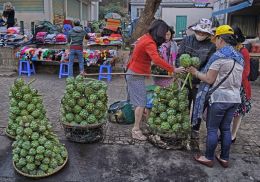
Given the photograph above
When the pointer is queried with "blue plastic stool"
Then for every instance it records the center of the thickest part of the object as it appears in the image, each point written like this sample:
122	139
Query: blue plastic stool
64	69
108	69
26	68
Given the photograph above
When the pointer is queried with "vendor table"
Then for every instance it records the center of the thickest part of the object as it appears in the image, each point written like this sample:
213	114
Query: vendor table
9	61
52	46
103	47
86	46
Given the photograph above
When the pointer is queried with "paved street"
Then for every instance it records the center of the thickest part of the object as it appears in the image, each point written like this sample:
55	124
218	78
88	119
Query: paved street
119	158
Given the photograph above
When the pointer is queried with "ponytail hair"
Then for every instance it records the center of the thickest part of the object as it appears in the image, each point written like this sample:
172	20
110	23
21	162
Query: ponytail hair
229	39
238	34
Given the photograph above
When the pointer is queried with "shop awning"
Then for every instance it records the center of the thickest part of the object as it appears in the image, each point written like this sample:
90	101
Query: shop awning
234	8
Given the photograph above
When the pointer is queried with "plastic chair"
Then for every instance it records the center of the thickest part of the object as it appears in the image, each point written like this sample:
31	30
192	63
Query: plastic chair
64	69
26	68
108	72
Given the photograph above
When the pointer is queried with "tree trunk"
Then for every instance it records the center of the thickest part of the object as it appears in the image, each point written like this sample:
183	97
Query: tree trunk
145	19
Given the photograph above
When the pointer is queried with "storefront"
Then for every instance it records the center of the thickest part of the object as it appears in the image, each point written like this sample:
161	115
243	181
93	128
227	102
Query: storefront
53	10
248	19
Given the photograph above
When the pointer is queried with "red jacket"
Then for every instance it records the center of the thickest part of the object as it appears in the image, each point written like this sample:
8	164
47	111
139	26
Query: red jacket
245	83
144	52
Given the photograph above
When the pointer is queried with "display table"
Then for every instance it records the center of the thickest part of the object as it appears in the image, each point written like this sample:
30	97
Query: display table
52	46
85	46
103	47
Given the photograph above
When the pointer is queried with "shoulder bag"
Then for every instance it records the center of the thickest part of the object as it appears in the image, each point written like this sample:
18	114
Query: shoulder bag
211	90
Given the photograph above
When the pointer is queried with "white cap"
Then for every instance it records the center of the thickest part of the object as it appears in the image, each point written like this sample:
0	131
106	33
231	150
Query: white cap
204	25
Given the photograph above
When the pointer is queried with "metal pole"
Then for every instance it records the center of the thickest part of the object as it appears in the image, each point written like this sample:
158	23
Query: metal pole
33	30
135	74
226	15
22	27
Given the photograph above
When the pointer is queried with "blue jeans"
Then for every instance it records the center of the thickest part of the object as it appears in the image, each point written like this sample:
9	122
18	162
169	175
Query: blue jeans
220	116
72	55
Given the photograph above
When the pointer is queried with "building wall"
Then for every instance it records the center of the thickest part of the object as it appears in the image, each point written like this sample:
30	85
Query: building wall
219	5
47	13
94	10
30	16
177	4
134	9
193	14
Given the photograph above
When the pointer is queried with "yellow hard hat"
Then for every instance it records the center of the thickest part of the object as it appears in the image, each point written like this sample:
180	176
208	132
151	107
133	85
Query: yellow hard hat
224	29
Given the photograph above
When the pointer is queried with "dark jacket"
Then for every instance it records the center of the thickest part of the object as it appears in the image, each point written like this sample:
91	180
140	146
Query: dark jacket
193	47
76	36
9	14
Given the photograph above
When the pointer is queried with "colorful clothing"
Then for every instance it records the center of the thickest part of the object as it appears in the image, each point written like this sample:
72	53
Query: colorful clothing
245	82
168	52
245	90
245	105
229	90
144	52
136	89
225	52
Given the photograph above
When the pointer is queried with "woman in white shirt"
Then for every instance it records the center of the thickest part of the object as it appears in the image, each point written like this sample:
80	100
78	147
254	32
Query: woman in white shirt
224	100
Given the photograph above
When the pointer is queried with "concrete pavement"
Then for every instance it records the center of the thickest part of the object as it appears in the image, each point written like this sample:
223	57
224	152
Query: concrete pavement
119	158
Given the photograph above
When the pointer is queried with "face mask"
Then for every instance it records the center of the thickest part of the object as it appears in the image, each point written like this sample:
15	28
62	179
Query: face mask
200	38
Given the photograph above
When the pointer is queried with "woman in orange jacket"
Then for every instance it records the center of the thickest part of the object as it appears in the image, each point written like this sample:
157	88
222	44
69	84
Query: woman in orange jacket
145	51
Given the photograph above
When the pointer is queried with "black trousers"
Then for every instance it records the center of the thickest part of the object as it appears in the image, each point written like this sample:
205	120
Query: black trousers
192	97
10	25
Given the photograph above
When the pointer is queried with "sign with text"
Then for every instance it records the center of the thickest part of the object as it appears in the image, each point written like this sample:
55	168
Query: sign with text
201	3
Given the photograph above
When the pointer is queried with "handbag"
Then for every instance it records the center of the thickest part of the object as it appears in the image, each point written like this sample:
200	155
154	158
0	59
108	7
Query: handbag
210	92
121	112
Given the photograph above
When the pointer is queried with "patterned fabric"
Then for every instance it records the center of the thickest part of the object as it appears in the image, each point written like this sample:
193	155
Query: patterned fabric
136	89
245	105
168	51
225	52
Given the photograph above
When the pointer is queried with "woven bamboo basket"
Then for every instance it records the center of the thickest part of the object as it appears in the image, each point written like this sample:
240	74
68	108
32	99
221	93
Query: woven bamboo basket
84	134
89	133
10	136
167	140
41	176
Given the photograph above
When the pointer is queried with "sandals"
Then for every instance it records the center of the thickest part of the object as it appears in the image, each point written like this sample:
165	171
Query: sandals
138	135
222	162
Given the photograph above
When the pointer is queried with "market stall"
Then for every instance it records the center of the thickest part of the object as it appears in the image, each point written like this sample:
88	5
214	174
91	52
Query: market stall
52	57
9	41
46	42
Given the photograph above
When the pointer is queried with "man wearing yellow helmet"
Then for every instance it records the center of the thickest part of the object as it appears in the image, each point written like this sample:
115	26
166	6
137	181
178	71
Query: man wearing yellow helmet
221	80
